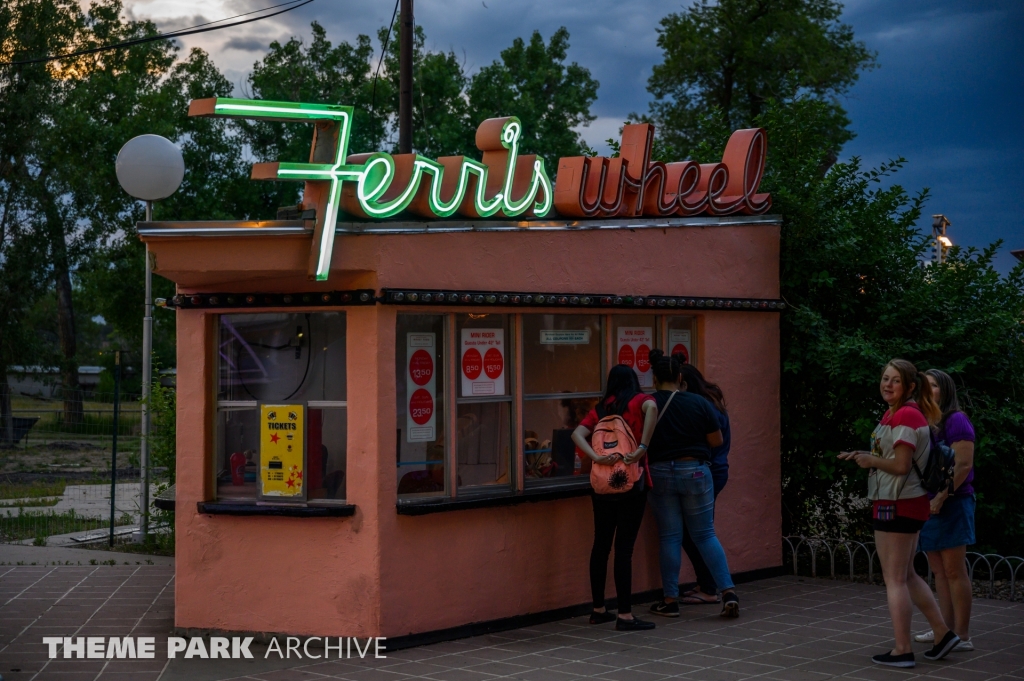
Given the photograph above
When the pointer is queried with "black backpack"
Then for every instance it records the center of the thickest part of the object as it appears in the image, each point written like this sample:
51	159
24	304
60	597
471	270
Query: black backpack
938	472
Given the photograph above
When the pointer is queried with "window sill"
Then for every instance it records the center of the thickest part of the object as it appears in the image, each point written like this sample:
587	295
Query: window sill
223	508
419	507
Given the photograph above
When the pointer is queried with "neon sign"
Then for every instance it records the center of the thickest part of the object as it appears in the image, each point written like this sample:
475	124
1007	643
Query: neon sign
380	185
503	183
632	184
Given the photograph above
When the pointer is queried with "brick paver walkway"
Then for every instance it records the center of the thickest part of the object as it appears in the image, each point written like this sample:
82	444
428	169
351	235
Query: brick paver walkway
790	628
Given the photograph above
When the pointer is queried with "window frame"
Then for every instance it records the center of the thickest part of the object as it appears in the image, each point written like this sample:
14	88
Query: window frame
254	405
518	489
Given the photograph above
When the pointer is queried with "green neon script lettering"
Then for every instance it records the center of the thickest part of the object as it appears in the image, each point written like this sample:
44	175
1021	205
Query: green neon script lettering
373	178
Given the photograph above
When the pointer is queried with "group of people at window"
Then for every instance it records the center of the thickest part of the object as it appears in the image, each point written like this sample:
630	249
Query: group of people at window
682	437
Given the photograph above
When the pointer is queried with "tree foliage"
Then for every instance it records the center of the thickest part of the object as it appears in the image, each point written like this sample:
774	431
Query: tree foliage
860	293
552	98
732	56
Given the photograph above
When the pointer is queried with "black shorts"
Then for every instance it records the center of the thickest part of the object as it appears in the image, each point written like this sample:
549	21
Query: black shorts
899	524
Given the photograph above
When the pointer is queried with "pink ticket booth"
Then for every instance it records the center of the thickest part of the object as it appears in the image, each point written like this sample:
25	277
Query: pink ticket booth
433	369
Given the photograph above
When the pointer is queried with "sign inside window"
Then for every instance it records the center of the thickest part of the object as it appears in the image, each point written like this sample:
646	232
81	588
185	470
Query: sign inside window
679	341
565	337
634	343
483	362
421	387
282	450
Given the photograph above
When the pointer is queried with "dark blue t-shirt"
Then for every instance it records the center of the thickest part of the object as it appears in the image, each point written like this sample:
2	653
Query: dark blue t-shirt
683	429
720	454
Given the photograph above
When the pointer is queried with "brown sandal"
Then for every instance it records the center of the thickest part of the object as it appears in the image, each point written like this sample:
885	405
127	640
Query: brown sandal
698	598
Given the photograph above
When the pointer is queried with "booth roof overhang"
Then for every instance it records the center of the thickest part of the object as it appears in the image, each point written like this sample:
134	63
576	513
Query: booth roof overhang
258	264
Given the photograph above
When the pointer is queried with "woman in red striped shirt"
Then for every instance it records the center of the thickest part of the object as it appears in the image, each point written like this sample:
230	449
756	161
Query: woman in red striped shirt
900	505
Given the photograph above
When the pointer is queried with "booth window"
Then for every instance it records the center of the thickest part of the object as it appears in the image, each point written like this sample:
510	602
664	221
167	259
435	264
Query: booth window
562	380
281	358
484	401
420	372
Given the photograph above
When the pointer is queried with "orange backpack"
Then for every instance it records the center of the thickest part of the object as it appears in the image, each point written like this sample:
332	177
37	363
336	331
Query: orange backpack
612	435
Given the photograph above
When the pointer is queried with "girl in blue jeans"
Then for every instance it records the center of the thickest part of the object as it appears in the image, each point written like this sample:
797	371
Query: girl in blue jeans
683	496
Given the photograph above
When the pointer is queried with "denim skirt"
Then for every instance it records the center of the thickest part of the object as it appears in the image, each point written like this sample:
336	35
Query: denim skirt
952	527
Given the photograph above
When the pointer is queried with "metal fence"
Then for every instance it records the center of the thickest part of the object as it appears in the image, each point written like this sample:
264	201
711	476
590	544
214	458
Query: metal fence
860	558
60	482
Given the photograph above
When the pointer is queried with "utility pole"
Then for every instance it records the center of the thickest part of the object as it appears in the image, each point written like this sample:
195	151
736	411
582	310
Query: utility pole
405	79
941	243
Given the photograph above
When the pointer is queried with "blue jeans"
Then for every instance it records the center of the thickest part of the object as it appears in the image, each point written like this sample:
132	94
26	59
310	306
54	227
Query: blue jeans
683	496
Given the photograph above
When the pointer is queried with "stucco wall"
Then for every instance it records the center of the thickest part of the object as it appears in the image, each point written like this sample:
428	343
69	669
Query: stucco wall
379	573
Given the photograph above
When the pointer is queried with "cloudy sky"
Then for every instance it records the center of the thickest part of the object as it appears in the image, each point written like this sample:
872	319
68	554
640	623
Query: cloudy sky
948	96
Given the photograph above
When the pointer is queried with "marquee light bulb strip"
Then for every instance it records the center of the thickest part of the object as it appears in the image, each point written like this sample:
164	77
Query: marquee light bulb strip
434	297
578	300
241	301
381	185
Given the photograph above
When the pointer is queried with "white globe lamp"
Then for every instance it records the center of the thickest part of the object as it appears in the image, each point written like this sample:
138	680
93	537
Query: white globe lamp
149	168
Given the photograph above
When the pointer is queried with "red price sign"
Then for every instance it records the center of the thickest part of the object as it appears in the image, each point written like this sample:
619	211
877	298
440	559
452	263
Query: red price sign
679	348
421	367
494	363
626	356
421	406
643	359
472	364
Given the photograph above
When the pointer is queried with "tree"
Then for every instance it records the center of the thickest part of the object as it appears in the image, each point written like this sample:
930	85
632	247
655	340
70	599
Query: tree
859	294
551	98
60	164
441	122
735	55
321	74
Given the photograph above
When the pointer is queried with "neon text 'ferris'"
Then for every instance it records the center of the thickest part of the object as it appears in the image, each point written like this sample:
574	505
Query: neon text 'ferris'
380	185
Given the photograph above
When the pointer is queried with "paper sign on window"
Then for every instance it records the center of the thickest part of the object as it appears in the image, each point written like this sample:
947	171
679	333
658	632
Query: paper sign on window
282	450
634	343
565	337
421	387
679	341
483	362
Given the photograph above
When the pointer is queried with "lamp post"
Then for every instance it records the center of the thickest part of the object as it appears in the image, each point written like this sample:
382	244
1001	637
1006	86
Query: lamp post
942	242
149	168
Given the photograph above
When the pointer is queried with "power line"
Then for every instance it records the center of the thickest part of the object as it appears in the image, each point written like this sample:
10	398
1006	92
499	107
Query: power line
289	6
383	53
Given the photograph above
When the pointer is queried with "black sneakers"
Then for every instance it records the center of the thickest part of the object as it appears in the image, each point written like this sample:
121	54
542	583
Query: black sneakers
730	604
601	617
665	609
634	624
943	647
890	660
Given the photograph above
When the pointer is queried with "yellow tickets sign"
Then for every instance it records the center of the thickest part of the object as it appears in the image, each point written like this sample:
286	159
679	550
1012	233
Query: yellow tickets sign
282	450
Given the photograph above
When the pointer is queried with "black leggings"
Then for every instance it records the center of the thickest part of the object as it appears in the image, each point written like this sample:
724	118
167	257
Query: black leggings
619	517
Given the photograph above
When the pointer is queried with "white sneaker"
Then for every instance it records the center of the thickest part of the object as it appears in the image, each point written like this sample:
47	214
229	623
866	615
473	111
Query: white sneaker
964	647
925	637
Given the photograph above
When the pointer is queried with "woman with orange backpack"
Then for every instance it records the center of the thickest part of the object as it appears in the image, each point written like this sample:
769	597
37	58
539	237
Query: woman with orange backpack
615	435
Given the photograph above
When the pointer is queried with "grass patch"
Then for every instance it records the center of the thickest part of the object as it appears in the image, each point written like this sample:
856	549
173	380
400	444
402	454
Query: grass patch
42	524
30	503
18	490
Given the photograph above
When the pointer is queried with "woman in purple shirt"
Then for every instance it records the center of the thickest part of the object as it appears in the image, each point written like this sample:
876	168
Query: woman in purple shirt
950	529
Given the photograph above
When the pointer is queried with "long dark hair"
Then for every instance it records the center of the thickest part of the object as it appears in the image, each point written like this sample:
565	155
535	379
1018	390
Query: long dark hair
623	385
696	383
947	399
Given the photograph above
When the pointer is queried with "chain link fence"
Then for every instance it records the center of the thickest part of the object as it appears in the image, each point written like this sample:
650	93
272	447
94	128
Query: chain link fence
58	482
